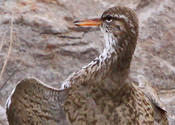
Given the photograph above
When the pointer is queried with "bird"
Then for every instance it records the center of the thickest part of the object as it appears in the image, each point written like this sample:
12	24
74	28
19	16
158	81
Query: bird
100	93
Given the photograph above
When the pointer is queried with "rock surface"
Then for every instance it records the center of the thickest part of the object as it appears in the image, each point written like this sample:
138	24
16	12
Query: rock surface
46	45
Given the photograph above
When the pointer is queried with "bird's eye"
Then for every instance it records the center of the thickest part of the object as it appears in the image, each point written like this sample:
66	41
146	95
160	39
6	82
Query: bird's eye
108	18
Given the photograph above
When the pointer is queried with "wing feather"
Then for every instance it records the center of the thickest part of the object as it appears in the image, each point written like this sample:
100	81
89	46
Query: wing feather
34	103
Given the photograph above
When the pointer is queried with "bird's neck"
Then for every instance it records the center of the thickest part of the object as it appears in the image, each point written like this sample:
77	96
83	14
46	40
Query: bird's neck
118	54
114	62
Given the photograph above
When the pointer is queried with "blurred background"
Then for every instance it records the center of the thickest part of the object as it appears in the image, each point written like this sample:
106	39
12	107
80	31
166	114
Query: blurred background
38	39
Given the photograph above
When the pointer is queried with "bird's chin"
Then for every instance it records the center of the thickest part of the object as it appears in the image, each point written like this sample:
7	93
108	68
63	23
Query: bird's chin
105	30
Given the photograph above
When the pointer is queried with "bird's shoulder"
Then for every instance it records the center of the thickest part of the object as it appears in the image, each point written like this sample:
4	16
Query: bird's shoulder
150	92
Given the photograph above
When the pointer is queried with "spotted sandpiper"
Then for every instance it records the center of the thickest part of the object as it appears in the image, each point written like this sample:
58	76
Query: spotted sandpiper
100	93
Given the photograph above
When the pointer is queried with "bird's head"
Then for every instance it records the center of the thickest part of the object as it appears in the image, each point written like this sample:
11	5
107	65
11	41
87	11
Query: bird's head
118	22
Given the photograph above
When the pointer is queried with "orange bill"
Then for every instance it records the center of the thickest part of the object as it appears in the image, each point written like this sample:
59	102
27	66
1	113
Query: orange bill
88	22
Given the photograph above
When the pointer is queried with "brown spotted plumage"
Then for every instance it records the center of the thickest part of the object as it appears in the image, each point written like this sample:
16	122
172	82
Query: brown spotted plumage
100	93
161	114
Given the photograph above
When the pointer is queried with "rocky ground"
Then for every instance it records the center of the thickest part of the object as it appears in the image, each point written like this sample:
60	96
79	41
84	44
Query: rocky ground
46	44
